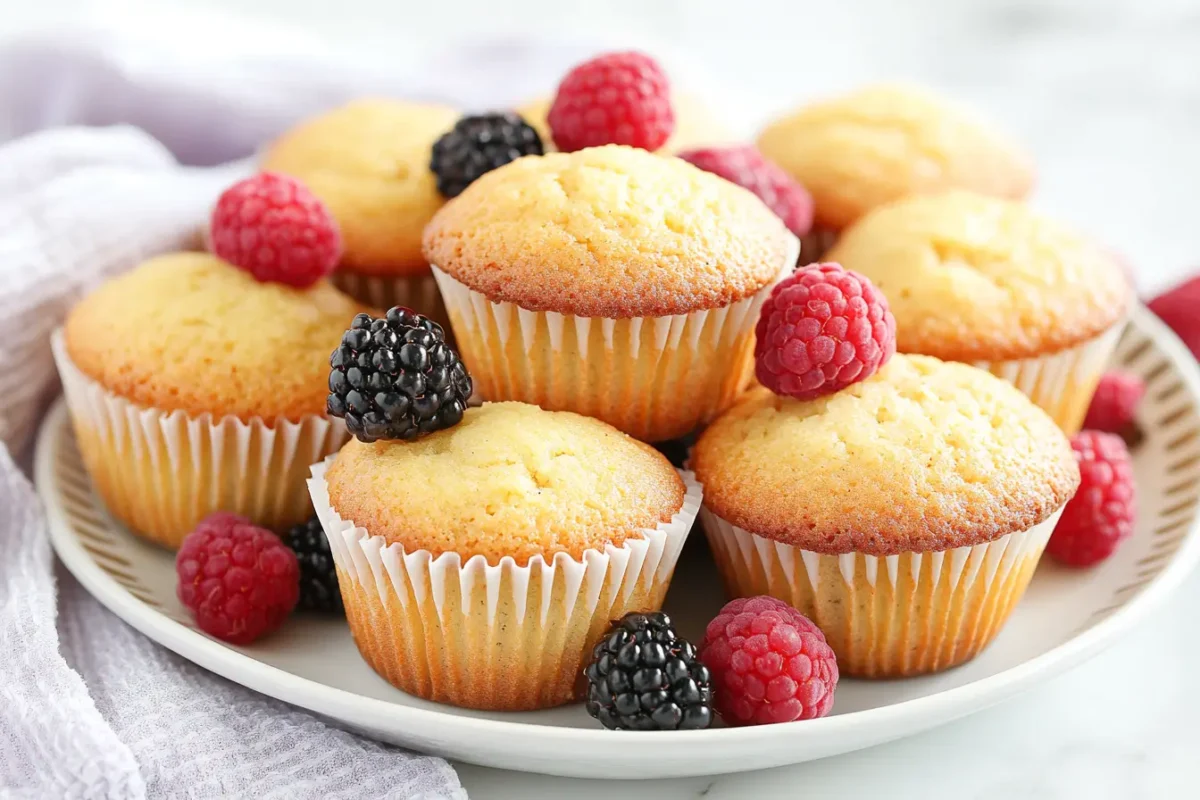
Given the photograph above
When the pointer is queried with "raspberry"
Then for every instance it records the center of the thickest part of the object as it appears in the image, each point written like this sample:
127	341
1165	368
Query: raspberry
822	329
238	580
745	166
1178	308
1100	515
273	227
1115	402
618	98
769	663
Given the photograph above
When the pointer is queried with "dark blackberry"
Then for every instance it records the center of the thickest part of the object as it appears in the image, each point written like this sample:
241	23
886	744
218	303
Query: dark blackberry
643	677
396	378
318	579
480	143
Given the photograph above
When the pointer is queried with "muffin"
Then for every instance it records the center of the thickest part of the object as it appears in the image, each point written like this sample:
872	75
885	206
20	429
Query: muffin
194	388
611	282
480	564
879	143
904	515
369	163
990	282
695	124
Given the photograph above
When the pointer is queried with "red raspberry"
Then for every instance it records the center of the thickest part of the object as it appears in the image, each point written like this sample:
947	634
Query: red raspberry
769	663
1180	309
220	519
1115	402
238	580
822	329
745	166
273	227
618	98
1100	515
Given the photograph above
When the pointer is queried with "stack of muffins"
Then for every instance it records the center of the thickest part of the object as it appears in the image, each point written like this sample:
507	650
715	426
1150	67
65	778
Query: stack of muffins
604	300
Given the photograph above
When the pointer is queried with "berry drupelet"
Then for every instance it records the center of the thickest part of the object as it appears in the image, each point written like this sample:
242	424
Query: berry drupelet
479	144
396	378
644	677
769	663
276	229
615	98
1115	402
237	579
745	166
318	578
822	329
1103	512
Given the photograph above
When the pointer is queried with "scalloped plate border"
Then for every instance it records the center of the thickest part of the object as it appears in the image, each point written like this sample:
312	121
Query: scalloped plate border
83	538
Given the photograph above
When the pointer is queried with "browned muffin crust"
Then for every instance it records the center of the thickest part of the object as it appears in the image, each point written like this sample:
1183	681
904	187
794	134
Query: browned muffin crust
923	456
610	232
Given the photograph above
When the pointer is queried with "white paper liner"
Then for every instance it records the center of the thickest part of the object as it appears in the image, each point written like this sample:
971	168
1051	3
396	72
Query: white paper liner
500	636
894	615
418	292
1062	383
160	472
655	378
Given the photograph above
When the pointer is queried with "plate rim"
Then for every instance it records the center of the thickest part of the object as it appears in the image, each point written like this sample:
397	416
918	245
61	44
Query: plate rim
884	722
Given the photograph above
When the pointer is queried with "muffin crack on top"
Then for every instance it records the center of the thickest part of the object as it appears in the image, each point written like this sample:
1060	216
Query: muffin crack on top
609	232
925	455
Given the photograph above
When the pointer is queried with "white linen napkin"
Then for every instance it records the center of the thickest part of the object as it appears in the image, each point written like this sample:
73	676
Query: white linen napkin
88	707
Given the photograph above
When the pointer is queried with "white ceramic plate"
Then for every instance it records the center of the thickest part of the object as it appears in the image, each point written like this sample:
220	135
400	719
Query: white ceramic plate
1065	617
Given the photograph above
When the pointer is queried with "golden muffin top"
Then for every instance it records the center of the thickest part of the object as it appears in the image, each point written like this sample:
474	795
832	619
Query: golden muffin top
509	480
189	332
610	232
695	124
863	149
369	163
924	455
970	277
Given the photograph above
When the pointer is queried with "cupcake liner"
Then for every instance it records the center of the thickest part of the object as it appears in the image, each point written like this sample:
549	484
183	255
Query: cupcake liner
888	616
499	637
418	292
654	378
160	472
1062	383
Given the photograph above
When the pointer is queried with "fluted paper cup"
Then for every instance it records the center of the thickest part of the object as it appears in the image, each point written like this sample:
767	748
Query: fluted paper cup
418	292
492	636
655	378
1062	383
888	616
160	472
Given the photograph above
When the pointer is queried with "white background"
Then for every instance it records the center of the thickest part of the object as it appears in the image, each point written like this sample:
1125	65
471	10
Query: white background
1107	94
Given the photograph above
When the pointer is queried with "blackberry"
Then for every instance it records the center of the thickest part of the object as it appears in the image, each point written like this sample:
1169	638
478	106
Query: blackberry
478	144
396	378
318	579
643	677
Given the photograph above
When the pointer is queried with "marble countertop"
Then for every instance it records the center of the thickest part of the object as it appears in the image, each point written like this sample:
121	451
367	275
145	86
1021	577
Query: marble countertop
1107	95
